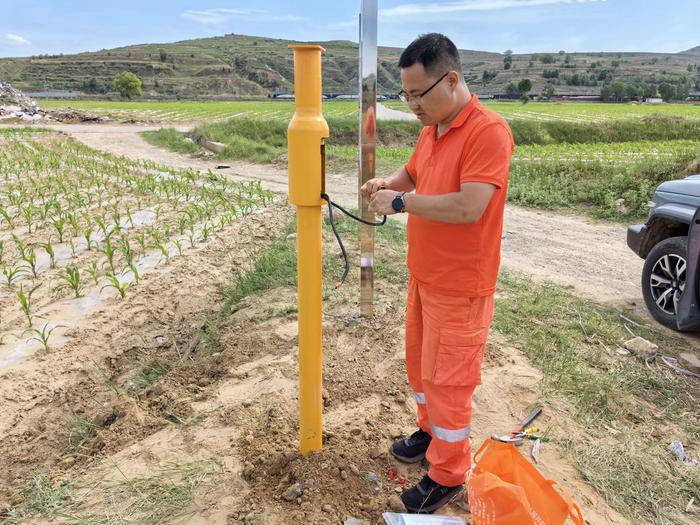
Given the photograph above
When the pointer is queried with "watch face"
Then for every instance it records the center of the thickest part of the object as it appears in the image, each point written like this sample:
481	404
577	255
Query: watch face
397	203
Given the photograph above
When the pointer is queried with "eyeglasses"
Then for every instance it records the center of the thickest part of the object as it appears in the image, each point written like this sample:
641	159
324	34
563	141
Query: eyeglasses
408	98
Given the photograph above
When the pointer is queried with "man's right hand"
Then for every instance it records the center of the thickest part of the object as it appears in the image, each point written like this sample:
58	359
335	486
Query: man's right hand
372	186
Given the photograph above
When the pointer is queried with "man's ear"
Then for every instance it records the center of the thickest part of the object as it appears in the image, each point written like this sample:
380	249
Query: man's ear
454	78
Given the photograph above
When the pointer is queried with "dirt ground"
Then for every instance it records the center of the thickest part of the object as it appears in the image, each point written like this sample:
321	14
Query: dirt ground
236	408
233	412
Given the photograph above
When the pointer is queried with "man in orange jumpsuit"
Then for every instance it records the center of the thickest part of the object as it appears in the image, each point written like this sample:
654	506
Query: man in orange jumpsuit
454	190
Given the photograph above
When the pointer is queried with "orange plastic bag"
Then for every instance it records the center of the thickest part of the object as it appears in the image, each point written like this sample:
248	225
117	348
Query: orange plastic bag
506	489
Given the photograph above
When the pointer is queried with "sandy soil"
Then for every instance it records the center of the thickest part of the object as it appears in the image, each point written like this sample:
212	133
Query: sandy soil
236	408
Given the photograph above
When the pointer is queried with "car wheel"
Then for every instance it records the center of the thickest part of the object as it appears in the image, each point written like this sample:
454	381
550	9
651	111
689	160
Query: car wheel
663	279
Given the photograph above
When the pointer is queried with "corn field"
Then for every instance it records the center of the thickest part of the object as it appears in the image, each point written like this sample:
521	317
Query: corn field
76	223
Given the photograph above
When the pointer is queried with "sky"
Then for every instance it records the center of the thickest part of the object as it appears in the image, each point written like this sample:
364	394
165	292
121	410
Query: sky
31	27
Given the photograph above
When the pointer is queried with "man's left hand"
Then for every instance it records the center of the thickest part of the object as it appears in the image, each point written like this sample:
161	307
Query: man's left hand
380	203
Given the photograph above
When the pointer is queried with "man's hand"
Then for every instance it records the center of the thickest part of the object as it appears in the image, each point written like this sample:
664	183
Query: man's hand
372	186
381	202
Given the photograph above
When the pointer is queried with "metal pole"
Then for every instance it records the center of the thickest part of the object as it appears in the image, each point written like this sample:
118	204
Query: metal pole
306	139
367	146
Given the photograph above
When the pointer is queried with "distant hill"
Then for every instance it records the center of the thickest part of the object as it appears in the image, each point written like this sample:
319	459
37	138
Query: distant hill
691	51
237	65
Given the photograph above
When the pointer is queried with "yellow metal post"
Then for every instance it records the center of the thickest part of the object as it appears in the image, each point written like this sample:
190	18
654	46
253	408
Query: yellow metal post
306	141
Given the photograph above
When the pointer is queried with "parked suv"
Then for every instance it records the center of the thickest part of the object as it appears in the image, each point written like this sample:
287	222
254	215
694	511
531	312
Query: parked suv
669	267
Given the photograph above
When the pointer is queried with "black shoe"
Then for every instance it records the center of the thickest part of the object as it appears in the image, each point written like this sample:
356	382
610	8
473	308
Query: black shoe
427	496
412	449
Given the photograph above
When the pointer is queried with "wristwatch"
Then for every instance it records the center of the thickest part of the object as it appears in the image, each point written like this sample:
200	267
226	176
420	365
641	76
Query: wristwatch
398	203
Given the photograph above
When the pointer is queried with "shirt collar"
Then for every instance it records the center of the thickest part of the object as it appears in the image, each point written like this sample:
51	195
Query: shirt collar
461	117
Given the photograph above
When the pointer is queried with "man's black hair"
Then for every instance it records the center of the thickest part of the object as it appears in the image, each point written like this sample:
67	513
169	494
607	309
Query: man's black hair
434	51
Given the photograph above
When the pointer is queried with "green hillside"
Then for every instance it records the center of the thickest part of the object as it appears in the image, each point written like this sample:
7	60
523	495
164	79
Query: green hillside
233	65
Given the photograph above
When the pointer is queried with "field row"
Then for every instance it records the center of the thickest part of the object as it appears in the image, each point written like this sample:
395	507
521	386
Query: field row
191	111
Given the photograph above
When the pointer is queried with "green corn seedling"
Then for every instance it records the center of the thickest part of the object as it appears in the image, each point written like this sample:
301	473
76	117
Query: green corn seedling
42	336
92	271
30	258
113	282
59	224
12	273
135	272
48	248
109	250
25	302
71	276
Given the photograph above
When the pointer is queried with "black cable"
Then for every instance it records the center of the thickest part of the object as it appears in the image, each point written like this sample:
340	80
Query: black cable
332	205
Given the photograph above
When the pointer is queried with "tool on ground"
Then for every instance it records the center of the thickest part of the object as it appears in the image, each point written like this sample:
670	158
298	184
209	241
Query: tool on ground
517	435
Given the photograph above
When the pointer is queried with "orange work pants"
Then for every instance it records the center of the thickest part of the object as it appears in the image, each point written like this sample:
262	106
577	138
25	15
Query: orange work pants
445	342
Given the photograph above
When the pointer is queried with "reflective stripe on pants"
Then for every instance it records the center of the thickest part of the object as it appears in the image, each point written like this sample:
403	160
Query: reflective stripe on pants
445	342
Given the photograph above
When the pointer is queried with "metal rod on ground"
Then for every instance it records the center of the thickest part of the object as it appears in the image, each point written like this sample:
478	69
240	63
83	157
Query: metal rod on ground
367	146
306	140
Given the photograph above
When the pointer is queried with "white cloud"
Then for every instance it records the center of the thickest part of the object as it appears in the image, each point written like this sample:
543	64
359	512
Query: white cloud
222	15
16	39
471	5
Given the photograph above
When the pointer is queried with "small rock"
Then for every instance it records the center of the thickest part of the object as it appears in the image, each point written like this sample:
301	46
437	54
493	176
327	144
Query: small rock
248	472
354	469
356	431
68	461
386	405
247	403
690	362
641	347
376	452
327	508
401	399
623	351
395	433
395	504
292	237
293	493
354	521
343	475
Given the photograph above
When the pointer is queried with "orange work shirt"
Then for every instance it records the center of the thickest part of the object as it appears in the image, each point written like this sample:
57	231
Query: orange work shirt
460	259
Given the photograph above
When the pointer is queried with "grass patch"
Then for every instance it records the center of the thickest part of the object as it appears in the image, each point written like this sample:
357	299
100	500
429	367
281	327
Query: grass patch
151	499
638	477
170	138
148	374
147	500
81	431
277	266
42	496
575	350
651	127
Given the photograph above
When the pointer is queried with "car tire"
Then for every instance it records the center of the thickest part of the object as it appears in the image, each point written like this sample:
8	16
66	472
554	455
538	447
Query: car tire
663	279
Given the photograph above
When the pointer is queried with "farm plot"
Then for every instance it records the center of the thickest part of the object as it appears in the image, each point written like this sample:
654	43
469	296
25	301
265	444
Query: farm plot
581	112
77	226
197	111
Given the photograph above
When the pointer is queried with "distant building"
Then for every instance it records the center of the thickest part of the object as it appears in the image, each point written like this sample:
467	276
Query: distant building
653	100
